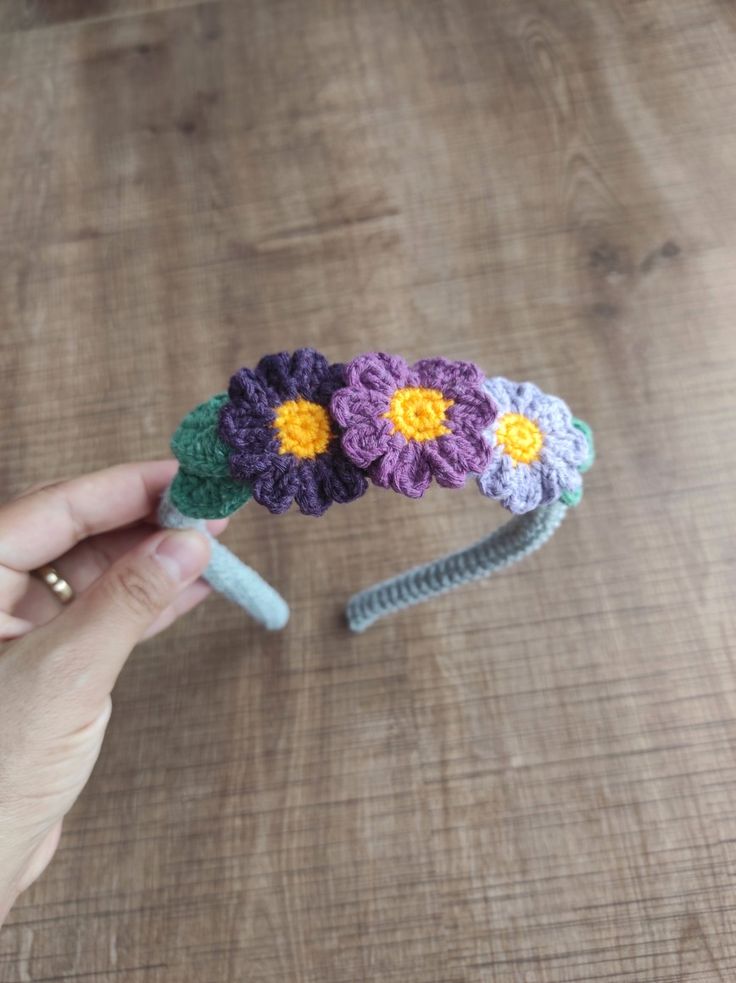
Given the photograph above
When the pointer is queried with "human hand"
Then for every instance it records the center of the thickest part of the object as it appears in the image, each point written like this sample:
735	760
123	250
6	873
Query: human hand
58	664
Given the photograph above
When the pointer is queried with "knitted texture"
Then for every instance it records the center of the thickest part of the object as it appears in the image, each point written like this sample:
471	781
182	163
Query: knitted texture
282	440
229	575
196	444
408	424
297	429
518	538
538	451
207	498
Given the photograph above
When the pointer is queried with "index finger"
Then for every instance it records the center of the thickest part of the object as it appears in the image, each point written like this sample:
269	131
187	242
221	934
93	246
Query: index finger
38	527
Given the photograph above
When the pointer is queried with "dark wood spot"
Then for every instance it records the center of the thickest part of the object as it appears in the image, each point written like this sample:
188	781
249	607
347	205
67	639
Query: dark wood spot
670	249
86	232
143	49
605	310
607	259
647	264
187	126
239	249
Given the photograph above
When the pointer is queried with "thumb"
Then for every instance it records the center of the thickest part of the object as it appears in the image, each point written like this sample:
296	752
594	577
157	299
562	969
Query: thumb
94	635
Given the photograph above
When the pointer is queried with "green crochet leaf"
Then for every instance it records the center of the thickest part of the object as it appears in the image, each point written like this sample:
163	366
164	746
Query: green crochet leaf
196	443
572	497
207	498
585	429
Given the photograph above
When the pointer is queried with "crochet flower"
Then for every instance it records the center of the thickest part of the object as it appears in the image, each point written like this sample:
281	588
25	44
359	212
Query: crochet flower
406	425
540	450
281	437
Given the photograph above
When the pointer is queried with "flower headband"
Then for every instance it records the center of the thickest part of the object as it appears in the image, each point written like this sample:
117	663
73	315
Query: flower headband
297	430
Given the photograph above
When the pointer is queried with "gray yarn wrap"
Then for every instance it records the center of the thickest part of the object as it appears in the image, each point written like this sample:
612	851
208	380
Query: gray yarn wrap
516	539
511	542
230	576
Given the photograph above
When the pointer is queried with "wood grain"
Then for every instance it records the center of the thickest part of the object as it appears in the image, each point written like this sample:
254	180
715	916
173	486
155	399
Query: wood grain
533	780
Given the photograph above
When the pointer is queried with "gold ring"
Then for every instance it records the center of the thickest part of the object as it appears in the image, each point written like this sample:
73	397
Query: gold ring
55	583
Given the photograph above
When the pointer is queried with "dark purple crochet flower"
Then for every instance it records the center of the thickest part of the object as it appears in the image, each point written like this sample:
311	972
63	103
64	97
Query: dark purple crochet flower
405	425
282	439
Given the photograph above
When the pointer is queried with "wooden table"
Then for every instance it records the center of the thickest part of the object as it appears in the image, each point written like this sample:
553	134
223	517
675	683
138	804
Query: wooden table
532	780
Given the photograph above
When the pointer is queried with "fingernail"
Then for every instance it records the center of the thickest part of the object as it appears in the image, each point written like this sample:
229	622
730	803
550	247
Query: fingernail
183	554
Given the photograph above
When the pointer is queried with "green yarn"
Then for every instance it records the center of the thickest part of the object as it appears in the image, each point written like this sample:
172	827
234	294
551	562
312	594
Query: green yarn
584	428
196	443
207	498
203	488
573	497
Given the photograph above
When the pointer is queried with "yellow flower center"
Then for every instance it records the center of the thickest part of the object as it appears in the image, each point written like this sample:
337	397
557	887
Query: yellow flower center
304	428
419	414
521	437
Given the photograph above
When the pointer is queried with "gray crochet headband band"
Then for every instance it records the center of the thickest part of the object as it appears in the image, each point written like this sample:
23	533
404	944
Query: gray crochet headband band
297	429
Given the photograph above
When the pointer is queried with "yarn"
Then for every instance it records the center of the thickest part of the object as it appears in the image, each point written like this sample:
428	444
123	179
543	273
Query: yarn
297	429
229	575
518	538
282	441
520	437
304	428
207	498
553	466
405	425
418	413
196	444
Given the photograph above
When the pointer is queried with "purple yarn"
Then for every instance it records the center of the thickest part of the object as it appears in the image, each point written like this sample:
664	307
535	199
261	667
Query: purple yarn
408	465
247	426
522	487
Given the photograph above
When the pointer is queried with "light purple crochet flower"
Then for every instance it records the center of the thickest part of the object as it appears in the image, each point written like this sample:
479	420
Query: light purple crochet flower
282	441
538	448
405	425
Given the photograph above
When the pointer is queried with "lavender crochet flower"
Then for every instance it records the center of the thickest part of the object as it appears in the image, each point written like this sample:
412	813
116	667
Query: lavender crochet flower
539	449
281	437
405	425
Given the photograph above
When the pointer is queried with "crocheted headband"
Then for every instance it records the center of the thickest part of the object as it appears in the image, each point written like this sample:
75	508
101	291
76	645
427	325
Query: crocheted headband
298	430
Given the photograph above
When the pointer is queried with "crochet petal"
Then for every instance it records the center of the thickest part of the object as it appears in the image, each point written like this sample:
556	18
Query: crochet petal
248	465
528	399
498	389
447	457
276	487
275	371
377	371
552	415
365	442
351	406
333	379
312	495
307	370
382	469
556	474
518	487
472	411
411	474
243	430
344	481
451	378
247	388
474	450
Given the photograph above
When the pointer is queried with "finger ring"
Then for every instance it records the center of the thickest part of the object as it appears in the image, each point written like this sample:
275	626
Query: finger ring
55	583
